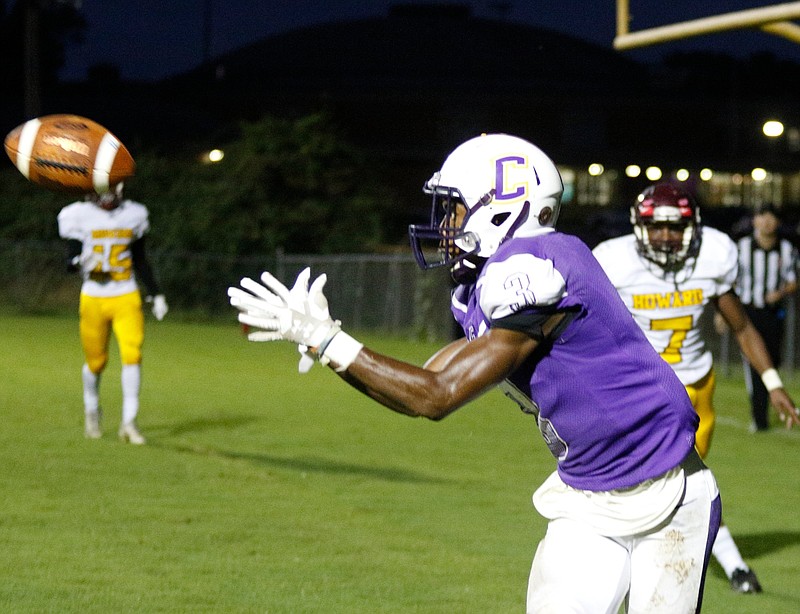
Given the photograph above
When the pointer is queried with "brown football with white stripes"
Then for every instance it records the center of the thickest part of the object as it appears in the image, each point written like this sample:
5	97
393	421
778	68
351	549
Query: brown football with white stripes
69	153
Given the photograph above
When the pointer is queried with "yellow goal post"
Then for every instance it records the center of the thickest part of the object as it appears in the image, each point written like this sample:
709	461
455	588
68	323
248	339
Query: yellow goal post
773	19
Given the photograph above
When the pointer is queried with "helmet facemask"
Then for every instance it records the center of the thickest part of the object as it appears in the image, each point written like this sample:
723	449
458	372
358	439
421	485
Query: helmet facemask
673	215
108	200
669	255
446	242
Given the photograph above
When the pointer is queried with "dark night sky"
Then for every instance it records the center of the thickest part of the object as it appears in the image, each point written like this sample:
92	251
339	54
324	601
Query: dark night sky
152	39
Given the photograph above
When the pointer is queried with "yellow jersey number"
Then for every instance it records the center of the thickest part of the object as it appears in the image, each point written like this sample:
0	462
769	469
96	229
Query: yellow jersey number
679	327
120	264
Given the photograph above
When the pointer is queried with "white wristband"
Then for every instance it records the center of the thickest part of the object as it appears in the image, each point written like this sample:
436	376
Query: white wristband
341	351
772	381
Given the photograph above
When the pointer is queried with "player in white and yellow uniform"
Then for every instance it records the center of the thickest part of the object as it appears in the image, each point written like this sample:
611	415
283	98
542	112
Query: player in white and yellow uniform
668	272
668	305
105	243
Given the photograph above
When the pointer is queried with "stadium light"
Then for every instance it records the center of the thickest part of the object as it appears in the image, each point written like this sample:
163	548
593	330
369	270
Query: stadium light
758	174
596	169
633	170
215	155
682	174
772	128
653	173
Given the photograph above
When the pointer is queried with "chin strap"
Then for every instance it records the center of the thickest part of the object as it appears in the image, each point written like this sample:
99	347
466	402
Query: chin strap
466	271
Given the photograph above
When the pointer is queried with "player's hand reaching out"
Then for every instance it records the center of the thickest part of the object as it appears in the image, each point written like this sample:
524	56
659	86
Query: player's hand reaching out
281	313
300	315
787	410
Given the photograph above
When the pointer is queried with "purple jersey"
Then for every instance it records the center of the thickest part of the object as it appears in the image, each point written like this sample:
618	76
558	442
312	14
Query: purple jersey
612	412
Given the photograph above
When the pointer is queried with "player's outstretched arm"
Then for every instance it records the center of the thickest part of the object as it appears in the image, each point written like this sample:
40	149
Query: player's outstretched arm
755	351
455	376
438	389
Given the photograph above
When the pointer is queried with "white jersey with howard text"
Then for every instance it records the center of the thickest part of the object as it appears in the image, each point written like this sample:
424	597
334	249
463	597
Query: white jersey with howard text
668	306
109	234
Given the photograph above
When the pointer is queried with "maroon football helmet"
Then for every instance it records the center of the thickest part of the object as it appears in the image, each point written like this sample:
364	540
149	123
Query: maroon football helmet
661	208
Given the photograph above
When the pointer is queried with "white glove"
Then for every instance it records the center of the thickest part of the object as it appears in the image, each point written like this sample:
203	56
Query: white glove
300	315
280	313
307	359
160	307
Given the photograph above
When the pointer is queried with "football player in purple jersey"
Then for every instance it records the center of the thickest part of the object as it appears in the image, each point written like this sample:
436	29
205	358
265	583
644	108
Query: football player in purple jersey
632	509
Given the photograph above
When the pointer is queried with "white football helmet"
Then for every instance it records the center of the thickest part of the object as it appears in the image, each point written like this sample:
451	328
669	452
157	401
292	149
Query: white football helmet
507	187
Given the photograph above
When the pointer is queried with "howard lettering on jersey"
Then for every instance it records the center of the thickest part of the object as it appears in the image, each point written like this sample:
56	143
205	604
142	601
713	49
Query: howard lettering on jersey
116	233
668	300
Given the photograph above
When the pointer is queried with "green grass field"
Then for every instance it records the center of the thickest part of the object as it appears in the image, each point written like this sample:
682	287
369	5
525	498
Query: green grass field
262	490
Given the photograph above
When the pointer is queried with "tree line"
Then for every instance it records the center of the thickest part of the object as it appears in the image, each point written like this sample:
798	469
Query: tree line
283	184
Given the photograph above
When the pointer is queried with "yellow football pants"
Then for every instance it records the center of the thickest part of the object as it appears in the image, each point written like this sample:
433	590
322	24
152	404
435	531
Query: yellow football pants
99	316
702	396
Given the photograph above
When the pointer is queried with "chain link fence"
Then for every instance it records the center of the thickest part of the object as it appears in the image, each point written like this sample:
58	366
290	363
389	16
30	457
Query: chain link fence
372	292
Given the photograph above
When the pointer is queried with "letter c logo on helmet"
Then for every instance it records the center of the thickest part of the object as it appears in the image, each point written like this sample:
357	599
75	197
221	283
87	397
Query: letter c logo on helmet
500	182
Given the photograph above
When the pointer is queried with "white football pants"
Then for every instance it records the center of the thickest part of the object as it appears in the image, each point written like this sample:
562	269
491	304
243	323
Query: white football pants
576	570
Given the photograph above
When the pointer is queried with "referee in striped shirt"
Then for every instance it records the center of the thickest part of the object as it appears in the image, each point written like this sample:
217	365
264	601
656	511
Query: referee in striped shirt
767	277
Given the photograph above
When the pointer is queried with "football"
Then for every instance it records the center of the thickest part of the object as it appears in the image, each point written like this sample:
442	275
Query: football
69	153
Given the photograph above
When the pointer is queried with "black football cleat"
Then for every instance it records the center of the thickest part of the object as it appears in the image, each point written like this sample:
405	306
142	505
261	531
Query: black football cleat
745	581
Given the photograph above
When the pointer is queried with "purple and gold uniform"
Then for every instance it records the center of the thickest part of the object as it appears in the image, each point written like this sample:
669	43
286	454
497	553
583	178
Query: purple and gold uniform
606	433
631	509
628	477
